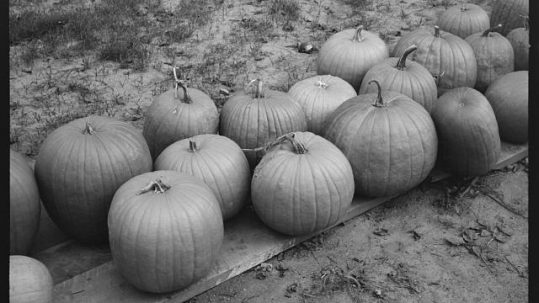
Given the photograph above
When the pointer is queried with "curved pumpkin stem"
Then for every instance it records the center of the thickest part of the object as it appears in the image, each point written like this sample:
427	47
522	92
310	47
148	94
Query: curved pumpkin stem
192	146
157	186
186	97
358	37
88	129
379	101
299	148
401	64
436	31
490	30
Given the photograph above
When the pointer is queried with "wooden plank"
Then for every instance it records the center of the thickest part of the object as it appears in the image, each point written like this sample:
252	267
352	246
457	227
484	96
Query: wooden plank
247	243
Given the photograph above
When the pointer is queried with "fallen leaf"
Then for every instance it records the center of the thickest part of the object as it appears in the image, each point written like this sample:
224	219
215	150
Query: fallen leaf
381	232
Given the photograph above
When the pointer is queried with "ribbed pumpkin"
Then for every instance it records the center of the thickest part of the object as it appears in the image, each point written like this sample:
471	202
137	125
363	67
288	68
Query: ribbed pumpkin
24	205
165	230
29	281
520	40
508	96
255	117
469	143
179	114
218	161
508	13
389	139
464	19
319	96
403	76
302	185
79	167
350	53
494	55
441	52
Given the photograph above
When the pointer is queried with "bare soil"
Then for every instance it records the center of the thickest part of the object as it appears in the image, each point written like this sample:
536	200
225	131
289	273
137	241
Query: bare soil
443	242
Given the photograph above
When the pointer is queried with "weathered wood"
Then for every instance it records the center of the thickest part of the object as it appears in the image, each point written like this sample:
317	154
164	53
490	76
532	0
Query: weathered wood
92	277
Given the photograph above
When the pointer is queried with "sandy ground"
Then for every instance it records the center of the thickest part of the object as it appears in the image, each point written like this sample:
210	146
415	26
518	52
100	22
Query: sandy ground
429	245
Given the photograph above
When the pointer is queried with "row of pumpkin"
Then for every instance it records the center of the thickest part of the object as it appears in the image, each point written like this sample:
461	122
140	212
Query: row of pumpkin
310	148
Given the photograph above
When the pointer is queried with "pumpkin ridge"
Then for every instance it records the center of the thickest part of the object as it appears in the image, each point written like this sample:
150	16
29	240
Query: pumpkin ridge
421	139
410	148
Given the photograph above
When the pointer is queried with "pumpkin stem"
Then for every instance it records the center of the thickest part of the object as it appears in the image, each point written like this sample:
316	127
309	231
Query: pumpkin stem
526	22
436	31
299	148
438	78
379	101
401	64
192	146
156	186
88	129
358	37
464	8
186	97
321	83
259	92
490	30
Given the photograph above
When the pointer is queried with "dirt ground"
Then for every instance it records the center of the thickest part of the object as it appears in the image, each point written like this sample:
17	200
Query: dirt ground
436	243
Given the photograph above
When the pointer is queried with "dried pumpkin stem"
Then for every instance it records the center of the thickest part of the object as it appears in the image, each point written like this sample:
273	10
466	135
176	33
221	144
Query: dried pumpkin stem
321	83
259	90
436	31
186	97
192	146
358	37
490	30
88	129
526	22
401	64
157	186
379	101
299	148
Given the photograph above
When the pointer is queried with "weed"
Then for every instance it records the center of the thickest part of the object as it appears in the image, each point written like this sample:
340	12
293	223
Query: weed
284	10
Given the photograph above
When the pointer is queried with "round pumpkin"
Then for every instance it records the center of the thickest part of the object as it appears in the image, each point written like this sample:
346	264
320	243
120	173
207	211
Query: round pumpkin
440	53
302	185
389	139
520	40
319	96
509	13
469	143
79	167
165	230
494	55
218	161
403	76
508	96
464	19
29	281
254	117
179	114
24	205
350	53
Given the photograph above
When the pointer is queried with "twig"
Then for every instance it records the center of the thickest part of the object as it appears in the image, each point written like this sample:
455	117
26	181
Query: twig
472	183
504	205
520	274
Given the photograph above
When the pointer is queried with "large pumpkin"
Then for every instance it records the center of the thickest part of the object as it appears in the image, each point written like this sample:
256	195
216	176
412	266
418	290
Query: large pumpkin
350	53
302	185
319	96
24	205
29	281
165	230
179	114
218	161
509	13
389	139
467	132
494	55
464	19
79	167
520	40
440	53
255	117
403	76
508	96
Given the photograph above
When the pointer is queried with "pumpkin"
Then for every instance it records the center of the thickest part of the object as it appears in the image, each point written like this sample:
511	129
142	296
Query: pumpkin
389	139
176	115
303	184
254	117
79	167
441	52
508	96
24	205
29	281
520	40
403	76
469	143
165	230
494	55
350	53
218	161
319	96
509	13
464	19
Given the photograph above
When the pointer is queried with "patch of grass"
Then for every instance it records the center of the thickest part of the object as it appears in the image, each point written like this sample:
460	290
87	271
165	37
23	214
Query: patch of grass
284	10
